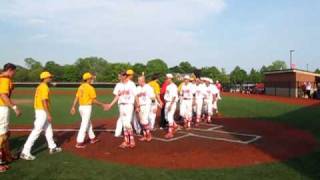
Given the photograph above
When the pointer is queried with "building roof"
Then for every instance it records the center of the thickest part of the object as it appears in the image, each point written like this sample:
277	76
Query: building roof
291	71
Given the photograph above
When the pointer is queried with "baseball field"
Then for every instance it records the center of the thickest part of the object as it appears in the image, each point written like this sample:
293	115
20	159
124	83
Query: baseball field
255	137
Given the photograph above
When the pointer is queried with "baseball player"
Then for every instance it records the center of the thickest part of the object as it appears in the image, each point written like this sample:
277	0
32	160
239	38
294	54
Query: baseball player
208	100
216	97
134	121
118	130
171	98
43	119
186	93
199	95
219	88
6	87
155	103
125	95
145	96
86	96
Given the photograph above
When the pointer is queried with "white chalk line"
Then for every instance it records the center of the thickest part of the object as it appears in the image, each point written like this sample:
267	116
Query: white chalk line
213	128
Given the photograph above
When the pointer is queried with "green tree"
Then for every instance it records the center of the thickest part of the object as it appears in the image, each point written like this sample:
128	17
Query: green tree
317	71
211	72
255	76
110	73
139	68
21	74
156	66
32	64
238	76
35	68
70	73
186	67
94	65
55	69
277	65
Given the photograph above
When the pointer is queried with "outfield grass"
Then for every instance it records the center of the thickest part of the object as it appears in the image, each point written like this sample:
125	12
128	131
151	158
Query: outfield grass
70	166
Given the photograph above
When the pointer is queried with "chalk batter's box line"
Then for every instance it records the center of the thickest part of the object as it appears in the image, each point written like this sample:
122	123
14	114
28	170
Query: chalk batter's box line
186	134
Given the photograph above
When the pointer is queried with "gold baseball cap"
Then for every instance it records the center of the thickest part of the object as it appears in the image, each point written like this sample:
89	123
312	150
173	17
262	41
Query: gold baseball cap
87	76
45	75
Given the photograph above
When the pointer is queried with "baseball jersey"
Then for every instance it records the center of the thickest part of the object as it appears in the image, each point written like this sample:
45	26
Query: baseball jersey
6	87
211	91
200	91
187	91
86	94
171	92
155	86
42	93
126	92
145	94
180	87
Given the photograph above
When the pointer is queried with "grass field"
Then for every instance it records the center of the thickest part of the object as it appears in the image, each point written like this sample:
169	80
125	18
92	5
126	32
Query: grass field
70	166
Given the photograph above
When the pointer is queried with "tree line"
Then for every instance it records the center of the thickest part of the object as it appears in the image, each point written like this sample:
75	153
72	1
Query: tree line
108	72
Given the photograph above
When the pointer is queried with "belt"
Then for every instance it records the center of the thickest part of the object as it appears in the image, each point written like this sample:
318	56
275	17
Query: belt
187	98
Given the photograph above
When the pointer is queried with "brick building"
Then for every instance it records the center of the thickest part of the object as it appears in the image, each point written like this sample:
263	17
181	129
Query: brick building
288	82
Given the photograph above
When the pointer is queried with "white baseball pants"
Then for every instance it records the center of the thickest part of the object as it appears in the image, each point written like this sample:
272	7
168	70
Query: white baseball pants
144	114
153	115
4	119
199	106
86	125
169	115
186	108
125	115
208	107
40	124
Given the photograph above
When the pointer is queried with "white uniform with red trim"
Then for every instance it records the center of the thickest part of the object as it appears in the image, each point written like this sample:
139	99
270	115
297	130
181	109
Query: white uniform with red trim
170	94
145	95
208	100
126	92
216	96
200	92
187	93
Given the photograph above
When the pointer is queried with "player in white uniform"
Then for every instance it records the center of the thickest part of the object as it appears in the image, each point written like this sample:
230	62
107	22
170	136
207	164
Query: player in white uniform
216	96
208	100
187	92
145	96
200	91
125	93
171	98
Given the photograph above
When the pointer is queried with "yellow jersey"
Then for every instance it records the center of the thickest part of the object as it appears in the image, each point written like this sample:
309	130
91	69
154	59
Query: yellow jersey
42	93
155	86
6	87
180	87
86	94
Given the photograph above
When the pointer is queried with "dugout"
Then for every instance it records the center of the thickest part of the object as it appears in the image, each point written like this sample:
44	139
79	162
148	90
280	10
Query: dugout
289	83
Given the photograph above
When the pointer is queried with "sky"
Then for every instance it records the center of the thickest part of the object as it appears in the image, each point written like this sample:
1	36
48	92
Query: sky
222	33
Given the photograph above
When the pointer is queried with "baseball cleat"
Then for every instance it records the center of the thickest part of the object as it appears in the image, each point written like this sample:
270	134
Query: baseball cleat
94	140
168	136
55	150
149	138
132	145
4	168
143	139
80	146
124	145
27	157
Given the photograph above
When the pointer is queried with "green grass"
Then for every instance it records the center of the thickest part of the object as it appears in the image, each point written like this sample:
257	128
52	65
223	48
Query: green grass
70	166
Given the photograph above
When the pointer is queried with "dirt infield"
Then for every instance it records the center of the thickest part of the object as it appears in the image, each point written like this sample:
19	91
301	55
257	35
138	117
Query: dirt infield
226	143
285	100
